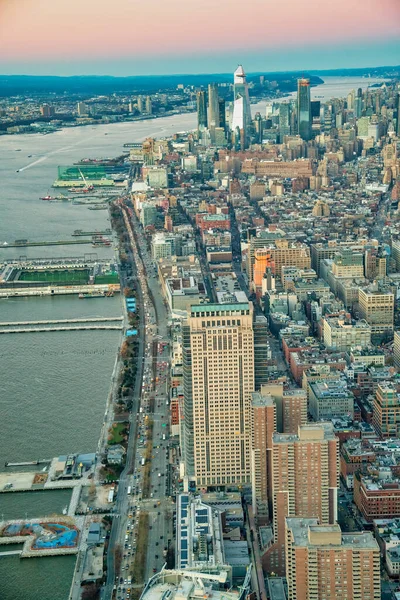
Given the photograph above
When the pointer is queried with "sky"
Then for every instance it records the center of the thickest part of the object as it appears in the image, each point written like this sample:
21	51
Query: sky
152	37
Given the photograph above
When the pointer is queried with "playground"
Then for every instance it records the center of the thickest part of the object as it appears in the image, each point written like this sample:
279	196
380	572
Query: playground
48	536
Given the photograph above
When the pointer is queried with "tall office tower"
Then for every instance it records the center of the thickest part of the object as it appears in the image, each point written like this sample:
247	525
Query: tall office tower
201	110
350	99
213	106
284	120
47	110
262	351
305	480
357	107
82	109
149	105
221	109
322	563
241	117
218	368
398	112
258	126
304	109
140	104
263	428
359	92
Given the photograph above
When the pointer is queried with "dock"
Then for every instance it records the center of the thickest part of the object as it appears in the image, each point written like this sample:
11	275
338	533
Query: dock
44	243
79	232
72	328
29	463
11	553
56	290
60	321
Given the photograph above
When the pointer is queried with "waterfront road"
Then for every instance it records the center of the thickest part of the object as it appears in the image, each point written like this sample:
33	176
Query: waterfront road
122	502
160	515
151	401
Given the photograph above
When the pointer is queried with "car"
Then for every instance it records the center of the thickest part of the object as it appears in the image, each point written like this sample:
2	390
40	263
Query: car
156	556
156	543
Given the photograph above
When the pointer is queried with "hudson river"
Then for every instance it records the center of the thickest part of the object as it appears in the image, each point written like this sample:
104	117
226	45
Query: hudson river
53	386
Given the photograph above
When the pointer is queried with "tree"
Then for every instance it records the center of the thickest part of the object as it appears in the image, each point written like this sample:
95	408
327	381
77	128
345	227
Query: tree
91	592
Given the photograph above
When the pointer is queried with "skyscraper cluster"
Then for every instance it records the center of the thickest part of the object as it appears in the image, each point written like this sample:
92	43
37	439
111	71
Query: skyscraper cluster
286	382
211	114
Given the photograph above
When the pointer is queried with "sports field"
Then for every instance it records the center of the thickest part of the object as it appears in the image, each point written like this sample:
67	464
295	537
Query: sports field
56	276
107	278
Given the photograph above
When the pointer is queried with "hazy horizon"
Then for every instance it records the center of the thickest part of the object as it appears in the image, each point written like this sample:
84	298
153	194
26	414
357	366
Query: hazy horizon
70	37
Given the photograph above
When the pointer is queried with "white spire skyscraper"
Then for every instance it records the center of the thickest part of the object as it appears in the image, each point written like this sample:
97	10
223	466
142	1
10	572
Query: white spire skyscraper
241	118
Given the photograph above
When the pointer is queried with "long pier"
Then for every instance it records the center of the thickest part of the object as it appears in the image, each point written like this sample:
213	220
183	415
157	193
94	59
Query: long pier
28	463
60	321
72	328
50	243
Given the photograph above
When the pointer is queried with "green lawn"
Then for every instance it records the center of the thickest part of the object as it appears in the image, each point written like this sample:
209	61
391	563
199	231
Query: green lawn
56	276
116	435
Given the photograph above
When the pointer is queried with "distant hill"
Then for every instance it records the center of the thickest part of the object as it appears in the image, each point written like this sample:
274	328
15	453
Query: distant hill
14	85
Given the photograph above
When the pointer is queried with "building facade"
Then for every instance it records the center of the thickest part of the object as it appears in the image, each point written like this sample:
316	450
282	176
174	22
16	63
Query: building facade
218	362
324	563
305	481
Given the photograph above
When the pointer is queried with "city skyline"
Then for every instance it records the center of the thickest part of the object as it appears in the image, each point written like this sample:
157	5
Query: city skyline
166	39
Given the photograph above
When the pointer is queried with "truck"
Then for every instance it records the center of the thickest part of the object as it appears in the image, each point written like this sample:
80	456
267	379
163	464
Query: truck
129	490
143	461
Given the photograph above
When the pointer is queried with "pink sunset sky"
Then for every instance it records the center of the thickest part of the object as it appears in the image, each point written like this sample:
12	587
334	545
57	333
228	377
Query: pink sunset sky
34	32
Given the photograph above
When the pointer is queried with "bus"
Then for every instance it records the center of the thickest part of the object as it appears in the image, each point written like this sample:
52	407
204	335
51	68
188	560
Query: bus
143	461
129	490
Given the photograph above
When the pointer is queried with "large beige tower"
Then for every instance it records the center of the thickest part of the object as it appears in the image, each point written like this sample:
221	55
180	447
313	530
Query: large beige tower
218	361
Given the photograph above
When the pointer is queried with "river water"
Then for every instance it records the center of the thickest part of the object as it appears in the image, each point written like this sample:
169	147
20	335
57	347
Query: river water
53	386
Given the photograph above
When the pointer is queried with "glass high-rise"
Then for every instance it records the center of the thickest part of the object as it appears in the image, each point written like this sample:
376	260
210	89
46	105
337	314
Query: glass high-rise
201	110
304	109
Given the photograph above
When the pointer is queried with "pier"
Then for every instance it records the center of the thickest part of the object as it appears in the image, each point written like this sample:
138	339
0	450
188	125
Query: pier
79	232
11	552
55	290
60	321
29	463
72	328
26	244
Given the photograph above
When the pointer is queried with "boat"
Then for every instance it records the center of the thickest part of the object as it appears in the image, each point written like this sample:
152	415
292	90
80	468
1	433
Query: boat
98	207
65	510
48	198
86	295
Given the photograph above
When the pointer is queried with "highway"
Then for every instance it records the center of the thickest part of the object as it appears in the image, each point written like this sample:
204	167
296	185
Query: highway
151	403
122	502
160	515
